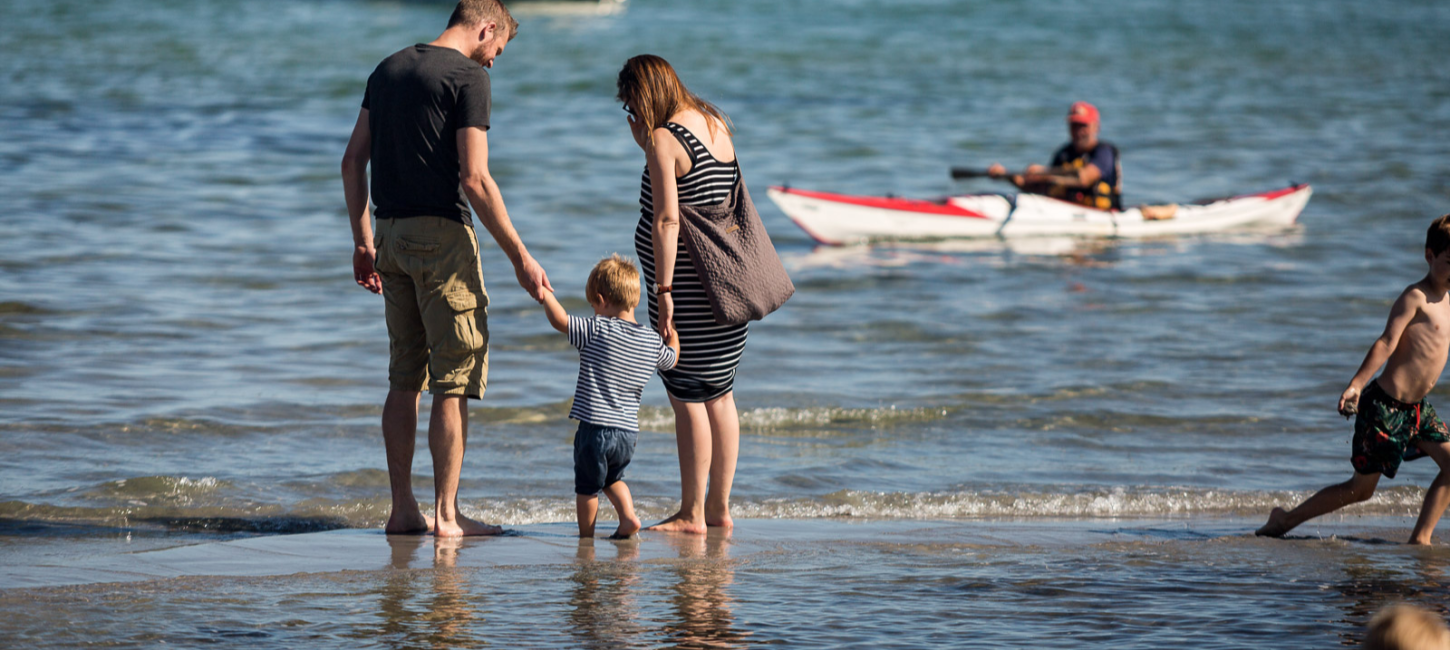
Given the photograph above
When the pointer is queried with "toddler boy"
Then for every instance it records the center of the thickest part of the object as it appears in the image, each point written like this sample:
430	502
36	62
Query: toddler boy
617	356
1393	420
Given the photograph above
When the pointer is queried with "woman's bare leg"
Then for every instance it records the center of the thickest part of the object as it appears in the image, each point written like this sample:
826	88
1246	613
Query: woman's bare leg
724	451
692	436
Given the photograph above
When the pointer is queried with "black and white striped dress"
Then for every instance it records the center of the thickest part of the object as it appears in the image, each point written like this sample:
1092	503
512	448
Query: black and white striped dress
709	352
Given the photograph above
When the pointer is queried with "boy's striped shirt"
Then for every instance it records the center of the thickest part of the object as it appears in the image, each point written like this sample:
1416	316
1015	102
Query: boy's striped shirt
616	360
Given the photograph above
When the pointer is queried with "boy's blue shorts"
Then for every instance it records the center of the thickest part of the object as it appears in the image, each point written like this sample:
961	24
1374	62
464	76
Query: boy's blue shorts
600	456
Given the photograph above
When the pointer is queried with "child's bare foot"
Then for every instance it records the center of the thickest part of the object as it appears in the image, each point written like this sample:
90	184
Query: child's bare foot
1276	526
679	523
626	528
413	523
462	526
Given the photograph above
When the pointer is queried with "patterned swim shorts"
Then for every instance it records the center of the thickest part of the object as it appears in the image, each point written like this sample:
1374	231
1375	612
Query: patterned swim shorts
1386	429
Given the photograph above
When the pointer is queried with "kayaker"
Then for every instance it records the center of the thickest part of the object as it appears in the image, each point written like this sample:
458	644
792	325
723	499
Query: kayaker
1085	171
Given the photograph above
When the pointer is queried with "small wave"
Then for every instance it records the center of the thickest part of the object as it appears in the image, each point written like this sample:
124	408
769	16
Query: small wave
359	478
21	518
1014	503
784	419
156	490
15	307
1086	503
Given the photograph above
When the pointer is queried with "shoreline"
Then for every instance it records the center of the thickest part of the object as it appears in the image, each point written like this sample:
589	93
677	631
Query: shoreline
45	562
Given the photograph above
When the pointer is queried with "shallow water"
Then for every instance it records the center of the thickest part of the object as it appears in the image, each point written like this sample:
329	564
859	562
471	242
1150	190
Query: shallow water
1099	583
183	354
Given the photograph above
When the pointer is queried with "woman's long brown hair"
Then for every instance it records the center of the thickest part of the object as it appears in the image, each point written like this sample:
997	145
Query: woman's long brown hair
649	86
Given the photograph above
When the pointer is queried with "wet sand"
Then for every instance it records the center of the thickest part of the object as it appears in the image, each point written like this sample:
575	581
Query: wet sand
57	560
1120	582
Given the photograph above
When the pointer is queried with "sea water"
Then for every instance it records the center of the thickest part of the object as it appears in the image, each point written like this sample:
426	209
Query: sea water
184	358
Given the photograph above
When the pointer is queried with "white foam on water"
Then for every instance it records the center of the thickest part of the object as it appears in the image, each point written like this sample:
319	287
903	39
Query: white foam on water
775	418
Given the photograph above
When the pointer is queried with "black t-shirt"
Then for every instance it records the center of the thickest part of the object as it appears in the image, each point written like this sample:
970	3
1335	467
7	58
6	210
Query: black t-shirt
417	99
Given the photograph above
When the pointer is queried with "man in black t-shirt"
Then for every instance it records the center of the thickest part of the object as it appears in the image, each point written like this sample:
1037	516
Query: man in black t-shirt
1085	171
424	128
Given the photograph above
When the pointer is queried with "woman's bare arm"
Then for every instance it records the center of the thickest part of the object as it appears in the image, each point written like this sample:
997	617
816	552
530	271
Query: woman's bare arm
661	159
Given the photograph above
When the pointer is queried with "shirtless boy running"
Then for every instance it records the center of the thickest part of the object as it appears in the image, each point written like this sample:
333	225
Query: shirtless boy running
1393	420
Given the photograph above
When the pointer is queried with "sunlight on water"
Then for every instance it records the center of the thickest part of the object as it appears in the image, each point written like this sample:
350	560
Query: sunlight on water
185	361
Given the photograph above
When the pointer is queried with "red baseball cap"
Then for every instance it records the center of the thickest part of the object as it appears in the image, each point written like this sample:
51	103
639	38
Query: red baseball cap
1082	113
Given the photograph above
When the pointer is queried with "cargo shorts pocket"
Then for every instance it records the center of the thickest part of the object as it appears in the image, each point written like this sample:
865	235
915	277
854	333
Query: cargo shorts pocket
465	319
415	247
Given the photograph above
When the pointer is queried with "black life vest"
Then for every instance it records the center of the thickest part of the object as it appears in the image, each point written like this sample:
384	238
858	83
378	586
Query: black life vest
1101	195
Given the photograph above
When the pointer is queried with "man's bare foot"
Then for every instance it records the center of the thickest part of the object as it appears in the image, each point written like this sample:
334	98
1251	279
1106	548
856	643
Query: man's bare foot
626	528
462	526
414	523
678	523
1276	527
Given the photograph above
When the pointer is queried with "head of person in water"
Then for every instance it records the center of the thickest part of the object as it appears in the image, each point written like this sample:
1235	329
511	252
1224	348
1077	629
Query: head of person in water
488	25
1406	627
1082	125
652	93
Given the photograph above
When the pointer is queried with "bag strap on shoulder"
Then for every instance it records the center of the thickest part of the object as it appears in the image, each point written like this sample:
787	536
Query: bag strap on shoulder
679	132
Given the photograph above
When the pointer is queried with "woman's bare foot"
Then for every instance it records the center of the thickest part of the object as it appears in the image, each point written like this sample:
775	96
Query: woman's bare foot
1276	526
414	523
462	526
679	523
719	520
626	528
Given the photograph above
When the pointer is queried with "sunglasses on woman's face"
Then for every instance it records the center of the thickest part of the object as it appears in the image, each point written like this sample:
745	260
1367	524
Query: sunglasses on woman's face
629	110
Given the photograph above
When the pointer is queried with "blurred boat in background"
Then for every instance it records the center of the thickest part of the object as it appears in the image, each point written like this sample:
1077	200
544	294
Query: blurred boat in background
840	218
567	7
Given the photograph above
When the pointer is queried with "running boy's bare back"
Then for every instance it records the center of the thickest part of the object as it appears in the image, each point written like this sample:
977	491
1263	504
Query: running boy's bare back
1393	420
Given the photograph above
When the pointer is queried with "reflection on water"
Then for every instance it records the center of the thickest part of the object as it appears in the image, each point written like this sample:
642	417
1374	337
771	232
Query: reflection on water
426	609
1370	584
1091	252
606	599
704	616
603	611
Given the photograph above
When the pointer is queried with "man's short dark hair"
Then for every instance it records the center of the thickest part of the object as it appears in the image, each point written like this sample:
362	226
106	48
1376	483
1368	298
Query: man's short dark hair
1438	238
471	12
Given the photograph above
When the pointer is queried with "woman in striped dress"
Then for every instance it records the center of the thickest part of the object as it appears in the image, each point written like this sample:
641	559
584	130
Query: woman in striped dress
690	160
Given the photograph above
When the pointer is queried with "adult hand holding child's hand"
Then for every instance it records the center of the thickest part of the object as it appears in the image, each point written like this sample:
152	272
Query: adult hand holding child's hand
532	278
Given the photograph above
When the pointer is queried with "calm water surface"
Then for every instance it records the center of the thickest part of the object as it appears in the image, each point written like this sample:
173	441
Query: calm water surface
184	358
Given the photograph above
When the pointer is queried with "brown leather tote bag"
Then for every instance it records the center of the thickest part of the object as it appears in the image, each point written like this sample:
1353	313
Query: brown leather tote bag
737	264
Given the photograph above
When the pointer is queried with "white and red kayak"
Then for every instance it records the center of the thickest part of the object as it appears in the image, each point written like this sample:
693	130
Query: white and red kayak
840	218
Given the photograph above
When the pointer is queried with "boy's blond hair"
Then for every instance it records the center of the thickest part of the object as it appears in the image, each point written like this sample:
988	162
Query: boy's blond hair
1406	627
617	280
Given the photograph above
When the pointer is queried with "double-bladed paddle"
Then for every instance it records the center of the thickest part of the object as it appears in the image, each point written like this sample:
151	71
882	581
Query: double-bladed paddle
977	172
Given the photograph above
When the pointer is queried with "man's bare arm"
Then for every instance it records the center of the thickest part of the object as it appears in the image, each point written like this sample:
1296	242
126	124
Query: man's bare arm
483	194
355	191
555	311
1403	311
1088	176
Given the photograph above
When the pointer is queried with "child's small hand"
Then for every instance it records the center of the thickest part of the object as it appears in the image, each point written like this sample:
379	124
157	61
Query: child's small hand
1349	402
